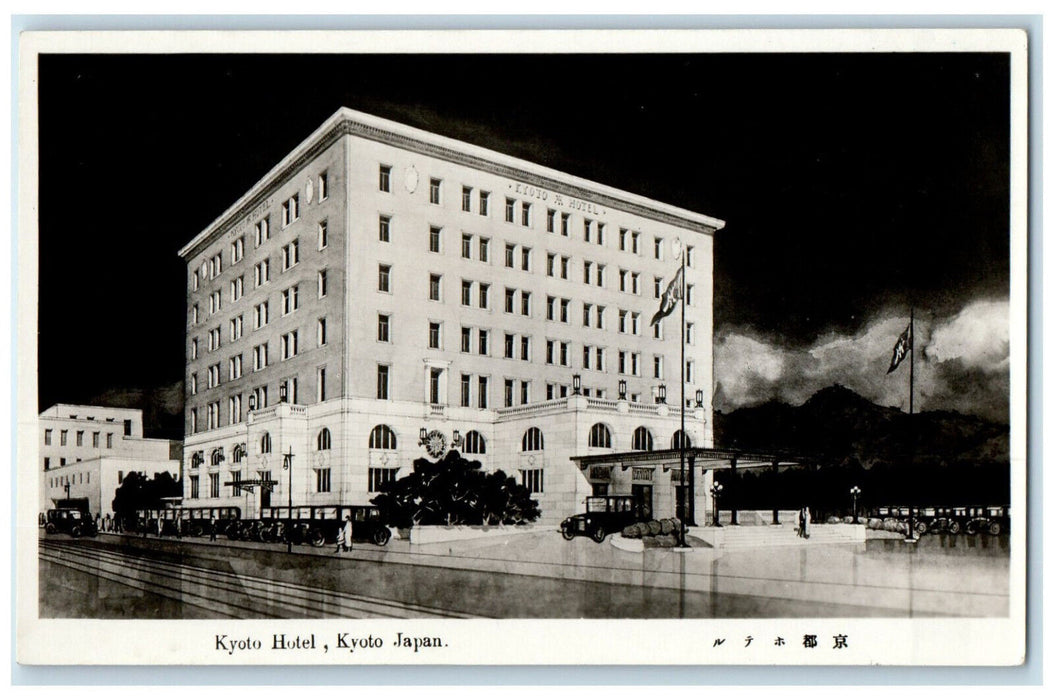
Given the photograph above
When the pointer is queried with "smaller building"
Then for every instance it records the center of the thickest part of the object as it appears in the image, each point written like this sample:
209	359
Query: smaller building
86	451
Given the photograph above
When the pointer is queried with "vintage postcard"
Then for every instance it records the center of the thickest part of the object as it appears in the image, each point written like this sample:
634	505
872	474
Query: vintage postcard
522	347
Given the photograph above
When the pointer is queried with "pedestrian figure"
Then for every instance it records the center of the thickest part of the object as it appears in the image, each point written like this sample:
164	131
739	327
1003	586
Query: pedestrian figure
808	521
160	525
105	523
344	536
212	529
178	522
801	523
98	522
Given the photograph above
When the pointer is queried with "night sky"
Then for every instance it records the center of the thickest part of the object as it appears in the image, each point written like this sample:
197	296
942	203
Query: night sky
853	185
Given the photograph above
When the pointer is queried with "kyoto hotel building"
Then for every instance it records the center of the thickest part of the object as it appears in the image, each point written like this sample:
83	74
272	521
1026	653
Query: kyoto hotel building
385	294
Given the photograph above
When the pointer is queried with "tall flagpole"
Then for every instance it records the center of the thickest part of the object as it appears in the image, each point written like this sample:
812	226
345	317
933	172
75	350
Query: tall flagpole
684	494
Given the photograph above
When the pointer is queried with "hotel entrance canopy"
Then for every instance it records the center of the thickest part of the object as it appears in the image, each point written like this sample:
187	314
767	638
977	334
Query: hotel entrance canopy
702	457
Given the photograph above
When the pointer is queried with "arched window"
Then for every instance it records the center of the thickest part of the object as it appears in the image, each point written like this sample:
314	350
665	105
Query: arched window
216	457
533	440
599	436
265	444
325	442
475	444
642	439
238	453
382	438
676	442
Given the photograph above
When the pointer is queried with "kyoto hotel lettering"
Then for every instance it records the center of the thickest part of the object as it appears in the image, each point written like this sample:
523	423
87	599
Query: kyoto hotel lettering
385	294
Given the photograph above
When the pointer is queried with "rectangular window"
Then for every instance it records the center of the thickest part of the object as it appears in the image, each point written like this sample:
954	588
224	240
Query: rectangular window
237	288
525	214
435	287
323	235
621	361
322	332
586	353
109	441
550	308
635	280
689	374
510	345
234	408
193	420
565	310
565	224
237	249
689	255
550	221
384	183
525	259
194	282
236	477
587	272
261	232
466	339
600	233
262	272
466	199
433	335
433	190
525	393
95	439
320	383
622	316
289	345
587	226
323	186
510	255
510	210
382	382
259	357
322	480
194	490
383	327
214	485
599	362
635	238
291	254
623	234
322	283
550	264
510	300
657	330
565	354
434	236
635	360
600	275
483	338
466	245
384	229
484	296
47	436
550	351
657	367
635	319
587	311
379	476
466	292
484	201
481	392
565	266
525	303
234	367
689	333
466	390
434	385
290	300
658	248
688	294
291	210
484	249
384	273
510	387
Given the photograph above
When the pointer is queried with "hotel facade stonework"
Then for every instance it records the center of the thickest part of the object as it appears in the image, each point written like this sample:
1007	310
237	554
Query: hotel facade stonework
385	294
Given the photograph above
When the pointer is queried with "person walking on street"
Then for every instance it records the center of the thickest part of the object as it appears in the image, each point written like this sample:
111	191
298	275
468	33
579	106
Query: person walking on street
807	520
344	536
801	522
212	529
160	524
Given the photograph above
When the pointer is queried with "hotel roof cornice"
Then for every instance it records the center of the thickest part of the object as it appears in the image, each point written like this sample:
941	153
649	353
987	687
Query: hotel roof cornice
351	122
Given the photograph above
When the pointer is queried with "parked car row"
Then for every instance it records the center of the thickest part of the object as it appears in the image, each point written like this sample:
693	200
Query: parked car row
972	520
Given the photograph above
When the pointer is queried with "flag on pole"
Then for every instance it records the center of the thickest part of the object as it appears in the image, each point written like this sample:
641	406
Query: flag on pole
900	350
668	302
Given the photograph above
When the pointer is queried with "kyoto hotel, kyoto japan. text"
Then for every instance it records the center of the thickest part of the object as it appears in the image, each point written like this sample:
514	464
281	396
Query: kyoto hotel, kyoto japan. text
385	294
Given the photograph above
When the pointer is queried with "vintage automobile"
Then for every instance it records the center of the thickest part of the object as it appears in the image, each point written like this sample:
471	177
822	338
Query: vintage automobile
320	525
604	514
71	521
993	520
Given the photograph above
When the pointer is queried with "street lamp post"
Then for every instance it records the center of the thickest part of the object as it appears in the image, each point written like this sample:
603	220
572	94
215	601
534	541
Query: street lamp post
287	463
715	491
855	493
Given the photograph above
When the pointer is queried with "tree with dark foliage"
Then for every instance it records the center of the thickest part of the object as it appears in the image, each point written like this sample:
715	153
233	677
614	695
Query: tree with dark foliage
138	492
455	491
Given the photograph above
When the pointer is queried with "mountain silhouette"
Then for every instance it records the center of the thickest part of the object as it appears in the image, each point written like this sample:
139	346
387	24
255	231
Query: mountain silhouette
838	426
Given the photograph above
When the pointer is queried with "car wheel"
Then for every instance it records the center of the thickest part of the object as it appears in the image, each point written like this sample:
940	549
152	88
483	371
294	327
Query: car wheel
994	529
971	528
50	529
921	527
568	531
599	534
381	536
317	538
76	531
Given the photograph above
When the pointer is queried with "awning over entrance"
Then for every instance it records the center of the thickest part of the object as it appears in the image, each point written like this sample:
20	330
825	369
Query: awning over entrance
703	457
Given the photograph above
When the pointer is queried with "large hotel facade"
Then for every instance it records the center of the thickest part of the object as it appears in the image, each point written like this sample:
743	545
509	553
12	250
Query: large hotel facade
385	294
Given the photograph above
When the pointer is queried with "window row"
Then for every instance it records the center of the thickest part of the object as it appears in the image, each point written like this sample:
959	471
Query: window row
79	435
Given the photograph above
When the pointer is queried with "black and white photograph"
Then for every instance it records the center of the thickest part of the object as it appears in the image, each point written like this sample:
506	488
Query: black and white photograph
653	347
